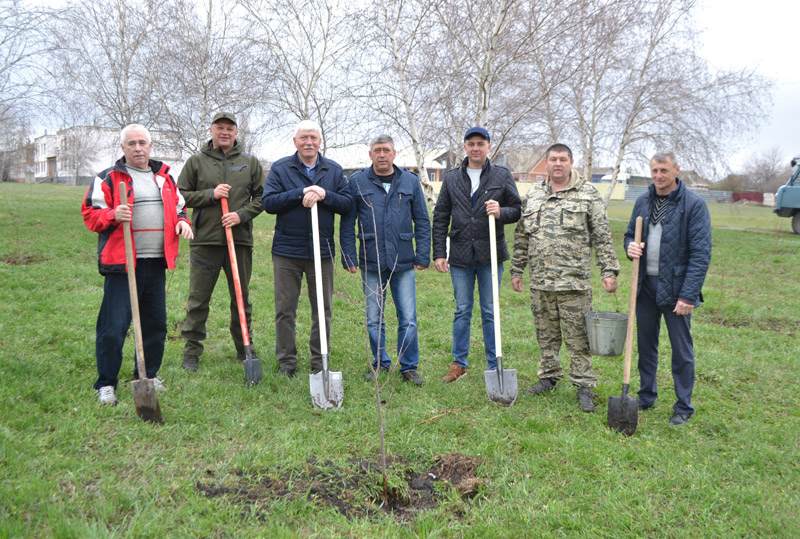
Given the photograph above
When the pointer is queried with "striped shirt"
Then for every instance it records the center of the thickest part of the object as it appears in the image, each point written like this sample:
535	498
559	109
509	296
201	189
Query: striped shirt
148	214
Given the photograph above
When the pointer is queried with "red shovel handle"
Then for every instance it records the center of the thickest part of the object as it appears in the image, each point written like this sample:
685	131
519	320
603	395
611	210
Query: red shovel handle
237	283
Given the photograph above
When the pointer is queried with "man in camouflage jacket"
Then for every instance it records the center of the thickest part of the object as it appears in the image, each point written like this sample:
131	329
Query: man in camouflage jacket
563	218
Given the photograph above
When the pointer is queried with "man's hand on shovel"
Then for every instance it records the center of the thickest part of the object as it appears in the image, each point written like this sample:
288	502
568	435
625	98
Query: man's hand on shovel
123	213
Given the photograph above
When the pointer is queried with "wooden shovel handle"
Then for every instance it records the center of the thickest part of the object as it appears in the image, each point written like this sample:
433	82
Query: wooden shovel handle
131	268
626	374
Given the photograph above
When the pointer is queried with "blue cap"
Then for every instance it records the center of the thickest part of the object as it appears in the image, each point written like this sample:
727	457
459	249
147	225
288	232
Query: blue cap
477	131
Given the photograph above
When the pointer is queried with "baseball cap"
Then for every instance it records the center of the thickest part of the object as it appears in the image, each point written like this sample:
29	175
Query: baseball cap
477	131
224	116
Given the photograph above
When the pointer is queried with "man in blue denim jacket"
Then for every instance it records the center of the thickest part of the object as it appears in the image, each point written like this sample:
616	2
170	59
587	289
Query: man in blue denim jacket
675	254
394	230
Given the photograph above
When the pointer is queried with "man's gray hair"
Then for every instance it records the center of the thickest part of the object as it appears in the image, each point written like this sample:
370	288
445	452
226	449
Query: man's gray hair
381	139
663	157
134	127
308	125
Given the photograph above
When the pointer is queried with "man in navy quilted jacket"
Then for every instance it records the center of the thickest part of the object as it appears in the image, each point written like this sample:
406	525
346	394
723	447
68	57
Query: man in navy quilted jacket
675	254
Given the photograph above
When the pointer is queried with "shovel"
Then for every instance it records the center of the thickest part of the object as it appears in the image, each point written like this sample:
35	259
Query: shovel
252	365
501	385
623	411
143	389
327	390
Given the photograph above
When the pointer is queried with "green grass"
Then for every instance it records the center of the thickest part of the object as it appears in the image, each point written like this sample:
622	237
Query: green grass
71	468
737	216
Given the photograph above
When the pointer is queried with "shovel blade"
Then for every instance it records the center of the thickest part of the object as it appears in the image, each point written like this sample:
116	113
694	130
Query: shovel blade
623	413
508	394
146	401
335	394
252	371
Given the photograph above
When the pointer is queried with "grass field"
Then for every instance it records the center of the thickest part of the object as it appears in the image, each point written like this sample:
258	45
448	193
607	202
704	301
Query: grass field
260	462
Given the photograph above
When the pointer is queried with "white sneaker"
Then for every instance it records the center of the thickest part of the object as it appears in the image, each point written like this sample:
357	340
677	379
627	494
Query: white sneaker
158	382
106	395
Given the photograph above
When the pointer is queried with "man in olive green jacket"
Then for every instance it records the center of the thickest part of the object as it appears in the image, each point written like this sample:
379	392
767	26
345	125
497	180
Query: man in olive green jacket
220	170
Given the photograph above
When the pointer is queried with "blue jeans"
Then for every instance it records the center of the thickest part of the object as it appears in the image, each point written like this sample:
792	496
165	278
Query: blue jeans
648	322
464	290
403	288
115	316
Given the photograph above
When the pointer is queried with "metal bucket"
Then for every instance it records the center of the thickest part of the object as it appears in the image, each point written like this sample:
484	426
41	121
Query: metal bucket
606	332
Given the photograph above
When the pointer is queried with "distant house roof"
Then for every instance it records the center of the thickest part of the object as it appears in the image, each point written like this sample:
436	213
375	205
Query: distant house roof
622	177
693	179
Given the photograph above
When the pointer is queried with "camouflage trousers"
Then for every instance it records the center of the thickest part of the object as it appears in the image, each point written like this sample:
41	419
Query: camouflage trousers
555	313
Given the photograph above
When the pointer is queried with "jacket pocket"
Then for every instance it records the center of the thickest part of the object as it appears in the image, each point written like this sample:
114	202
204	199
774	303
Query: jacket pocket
368	248
365	197
492	192
574	216
530	218
406	247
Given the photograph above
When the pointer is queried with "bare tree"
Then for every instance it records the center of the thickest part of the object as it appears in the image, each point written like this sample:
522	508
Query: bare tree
671	99
588	95
499	40
80	148
311	41
207	63
766	171
104	58
410	74
21	53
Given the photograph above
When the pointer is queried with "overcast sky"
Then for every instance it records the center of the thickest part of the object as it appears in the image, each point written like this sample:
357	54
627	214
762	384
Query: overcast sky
765	35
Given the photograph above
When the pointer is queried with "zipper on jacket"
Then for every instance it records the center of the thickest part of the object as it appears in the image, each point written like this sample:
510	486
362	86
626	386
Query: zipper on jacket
224	170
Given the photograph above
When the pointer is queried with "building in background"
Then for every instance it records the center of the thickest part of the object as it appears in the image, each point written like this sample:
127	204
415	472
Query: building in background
355	157
73	156
17	165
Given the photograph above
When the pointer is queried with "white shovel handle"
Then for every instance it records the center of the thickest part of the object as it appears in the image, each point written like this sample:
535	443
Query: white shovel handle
323	331
495	292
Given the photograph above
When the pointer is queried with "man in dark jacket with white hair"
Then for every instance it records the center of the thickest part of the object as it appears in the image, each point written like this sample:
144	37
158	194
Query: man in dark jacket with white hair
295	183
675	254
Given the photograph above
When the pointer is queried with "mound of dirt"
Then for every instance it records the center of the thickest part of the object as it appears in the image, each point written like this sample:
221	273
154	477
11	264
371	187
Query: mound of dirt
22	259
355	490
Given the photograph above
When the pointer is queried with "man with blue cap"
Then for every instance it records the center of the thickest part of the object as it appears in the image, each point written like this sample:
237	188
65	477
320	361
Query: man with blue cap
469	195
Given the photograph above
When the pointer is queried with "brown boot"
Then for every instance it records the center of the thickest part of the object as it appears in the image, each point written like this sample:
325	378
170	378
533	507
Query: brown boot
455	373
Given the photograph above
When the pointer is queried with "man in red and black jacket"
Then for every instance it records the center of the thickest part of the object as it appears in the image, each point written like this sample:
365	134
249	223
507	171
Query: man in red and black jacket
157	221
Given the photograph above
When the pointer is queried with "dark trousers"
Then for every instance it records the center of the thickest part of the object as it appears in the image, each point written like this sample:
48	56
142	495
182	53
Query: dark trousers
288	280
205	264
648	321
114	320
